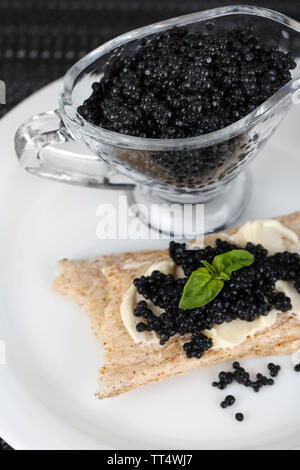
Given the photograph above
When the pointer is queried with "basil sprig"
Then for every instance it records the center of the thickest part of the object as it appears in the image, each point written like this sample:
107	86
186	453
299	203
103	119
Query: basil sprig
205	283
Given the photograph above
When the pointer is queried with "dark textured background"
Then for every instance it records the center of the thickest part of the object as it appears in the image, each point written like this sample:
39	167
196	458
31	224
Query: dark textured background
40	39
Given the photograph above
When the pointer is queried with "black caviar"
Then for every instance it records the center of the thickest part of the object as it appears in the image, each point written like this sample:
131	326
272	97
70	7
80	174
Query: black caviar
249	292
181	83
229	401
239	417
274	369
242	377
297	368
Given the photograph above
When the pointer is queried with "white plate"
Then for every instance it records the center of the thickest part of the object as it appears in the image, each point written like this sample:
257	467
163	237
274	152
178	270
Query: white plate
47	385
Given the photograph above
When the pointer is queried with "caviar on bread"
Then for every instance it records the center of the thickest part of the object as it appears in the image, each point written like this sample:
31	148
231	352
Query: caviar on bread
250	292
103	285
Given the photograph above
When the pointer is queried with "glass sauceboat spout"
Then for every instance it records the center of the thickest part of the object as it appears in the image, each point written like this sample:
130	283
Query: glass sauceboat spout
205	169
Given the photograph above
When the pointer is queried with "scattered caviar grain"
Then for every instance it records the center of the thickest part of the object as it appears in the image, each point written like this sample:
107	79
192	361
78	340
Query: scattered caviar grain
239	417
229	400
179	83
223	404
274	369
297	368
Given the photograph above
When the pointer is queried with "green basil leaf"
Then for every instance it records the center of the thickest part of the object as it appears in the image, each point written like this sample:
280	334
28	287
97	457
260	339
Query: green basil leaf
223	277
210	268
204	284
200	289
232	261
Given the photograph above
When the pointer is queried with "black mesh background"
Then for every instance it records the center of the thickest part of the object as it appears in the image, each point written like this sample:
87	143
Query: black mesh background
40	39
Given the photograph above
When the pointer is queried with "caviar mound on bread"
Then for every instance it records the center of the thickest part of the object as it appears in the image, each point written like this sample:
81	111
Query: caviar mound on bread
257	312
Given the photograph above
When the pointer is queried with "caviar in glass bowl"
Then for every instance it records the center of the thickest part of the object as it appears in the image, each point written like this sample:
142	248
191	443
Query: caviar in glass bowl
184	157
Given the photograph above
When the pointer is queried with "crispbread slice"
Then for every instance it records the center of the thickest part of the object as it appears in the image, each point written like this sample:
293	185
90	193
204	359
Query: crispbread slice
99	285
84	282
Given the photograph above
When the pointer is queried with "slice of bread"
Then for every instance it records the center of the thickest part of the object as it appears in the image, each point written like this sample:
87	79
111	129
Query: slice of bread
98	286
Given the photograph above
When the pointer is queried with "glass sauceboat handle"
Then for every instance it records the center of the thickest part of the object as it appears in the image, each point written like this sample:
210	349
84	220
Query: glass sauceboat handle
46	131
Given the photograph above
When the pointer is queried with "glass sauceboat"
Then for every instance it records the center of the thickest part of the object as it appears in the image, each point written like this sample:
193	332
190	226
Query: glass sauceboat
207	169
